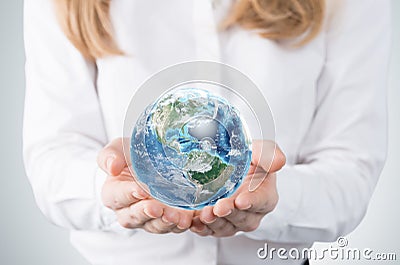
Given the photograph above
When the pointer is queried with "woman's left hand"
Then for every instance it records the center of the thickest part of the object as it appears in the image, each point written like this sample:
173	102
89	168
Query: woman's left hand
245	209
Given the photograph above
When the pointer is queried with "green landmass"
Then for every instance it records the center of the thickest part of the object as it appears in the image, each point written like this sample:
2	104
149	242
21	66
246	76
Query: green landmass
218	166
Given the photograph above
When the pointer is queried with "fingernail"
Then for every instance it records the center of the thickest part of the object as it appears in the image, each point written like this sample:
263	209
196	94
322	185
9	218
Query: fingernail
146	211
181	227
166	221
228	213
210	221
248	206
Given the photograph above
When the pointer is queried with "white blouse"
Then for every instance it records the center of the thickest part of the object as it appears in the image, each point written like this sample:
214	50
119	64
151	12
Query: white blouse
328	100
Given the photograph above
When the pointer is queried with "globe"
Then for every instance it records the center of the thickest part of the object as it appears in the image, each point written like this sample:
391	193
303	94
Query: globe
190	148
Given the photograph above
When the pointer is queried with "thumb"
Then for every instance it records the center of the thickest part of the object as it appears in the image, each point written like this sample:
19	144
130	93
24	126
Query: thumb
267	155
111	158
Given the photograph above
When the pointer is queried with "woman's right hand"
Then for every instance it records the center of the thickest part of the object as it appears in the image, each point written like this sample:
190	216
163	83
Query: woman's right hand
134	207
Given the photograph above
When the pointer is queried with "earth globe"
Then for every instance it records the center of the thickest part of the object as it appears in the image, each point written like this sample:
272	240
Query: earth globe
190	148
191	131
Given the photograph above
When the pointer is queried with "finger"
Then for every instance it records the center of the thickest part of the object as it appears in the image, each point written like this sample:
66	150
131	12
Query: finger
239	218
257	177
146	210
126	219
204	232
197	224
177	230
199	227
244	220
170	215
185	219
222	228
111	158
207	215
139	213
181	218
262	200
224	207
120	194
267	157
158	226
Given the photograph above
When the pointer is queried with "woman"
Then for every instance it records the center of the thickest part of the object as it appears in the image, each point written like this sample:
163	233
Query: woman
321	65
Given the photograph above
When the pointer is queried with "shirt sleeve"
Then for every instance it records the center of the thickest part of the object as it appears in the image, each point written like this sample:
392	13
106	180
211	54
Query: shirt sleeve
326	193
63	126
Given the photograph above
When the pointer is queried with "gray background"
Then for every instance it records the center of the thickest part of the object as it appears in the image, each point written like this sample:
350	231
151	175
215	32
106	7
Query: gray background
27	238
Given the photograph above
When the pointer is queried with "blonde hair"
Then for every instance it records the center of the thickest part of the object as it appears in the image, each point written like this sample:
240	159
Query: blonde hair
87	23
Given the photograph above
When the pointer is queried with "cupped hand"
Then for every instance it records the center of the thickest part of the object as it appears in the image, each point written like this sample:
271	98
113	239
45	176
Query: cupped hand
246	208
131	203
